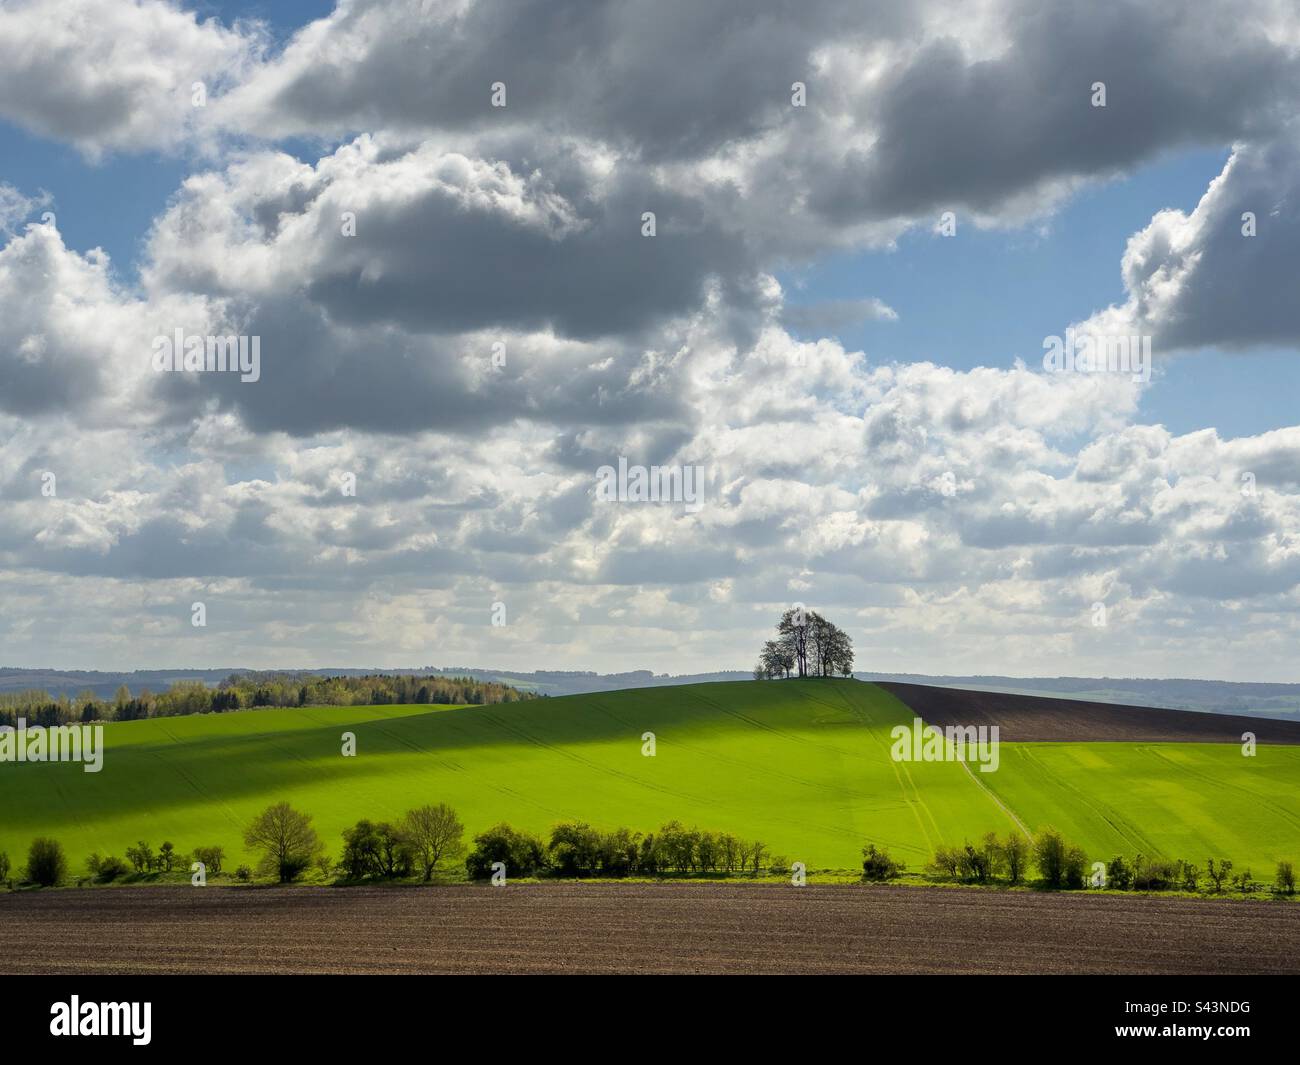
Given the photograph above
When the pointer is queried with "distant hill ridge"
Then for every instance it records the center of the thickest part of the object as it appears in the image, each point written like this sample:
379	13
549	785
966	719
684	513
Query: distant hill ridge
1225	697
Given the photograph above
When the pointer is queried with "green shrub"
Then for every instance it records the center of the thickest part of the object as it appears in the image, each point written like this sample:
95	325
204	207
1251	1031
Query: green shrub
106	869
521	854
1218	874
376	850
575	849
946	861
878	865
211	857
1076	868
1015	857
140	856
980	864
46	864
1049	856
1154	874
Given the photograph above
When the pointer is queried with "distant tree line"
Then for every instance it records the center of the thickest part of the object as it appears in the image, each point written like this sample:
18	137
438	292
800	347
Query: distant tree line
143	860
430	838
427	838
290	689
577	849
253	690
806	645
424	841
1065	866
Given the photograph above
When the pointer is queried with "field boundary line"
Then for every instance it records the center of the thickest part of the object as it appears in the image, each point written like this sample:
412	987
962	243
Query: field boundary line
993	795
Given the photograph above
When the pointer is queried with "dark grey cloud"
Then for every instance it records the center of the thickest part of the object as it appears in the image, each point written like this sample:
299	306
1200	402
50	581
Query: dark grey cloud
448	267
960	110
954	132
668	79
319	375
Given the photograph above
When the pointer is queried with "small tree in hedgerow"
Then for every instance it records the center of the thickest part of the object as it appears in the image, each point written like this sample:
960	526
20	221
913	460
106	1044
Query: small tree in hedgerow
435	834
1049	856
1015	856
286	840
45	862
878	865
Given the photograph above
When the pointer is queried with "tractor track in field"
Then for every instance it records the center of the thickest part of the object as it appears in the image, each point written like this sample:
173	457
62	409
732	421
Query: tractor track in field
1133	836
1263	800
638	928
901	771
1011	814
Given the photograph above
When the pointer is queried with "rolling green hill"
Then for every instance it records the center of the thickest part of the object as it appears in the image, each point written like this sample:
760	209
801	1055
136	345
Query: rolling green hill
803	766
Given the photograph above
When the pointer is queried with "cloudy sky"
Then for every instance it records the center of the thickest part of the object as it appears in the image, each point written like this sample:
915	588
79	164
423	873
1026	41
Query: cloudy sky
839	318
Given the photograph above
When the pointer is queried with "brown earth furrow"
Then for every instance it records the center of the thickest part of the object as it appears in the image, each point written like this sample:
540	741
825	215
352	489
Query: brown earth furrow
572	928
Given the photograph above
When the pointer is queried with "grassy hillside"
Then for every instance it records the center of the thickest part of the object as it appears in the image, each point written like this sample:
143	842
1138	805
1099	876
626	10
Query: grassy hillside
803	766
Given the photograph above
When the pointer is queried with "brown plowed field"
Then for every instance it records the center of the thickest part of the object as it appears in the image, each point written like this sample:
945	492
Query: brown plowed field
632	928
1027	718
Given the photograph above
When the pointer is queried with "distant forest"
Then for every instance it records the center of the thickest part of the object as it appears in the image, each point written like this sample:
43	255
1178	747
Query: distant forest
250	691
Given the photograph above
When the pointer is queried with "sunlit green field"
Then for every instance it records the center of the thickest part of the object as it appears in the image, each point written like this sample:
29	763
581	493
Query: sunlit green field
803	766
1178	800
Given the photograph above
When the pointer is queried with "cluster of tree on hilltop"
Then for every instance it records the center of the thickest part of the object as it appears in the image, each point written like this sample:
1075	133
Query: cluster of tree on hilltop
244	690
806	645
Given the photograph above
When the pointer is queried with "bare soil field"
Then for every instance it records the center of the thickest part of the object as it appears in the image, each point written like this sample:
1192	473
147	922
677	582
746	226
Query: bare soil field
669	928
1030	718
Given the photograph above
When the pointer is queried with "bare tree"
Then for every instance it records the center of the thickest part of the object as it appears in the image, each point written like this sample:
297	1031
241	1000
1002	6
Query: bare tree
794	627
777	659
1015	856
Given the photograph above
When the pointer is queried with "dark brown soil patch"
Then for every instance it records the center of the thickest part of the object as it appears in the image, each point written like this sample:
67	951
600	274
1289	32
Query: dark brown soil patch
1026	718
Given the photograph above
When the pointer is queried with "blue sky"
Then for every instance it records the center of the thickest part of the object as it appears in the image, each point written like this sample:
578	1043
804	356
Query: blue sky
986	297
